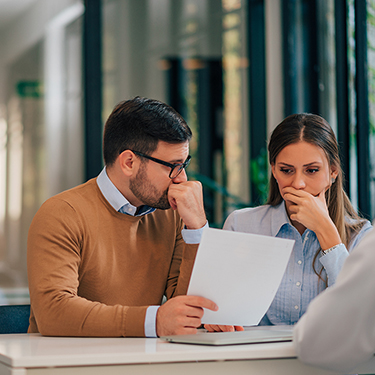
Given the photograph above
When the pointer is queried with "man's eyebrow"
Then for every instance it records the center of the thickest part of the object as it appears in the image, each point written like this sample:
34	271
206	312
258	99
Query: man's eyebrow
175	161
178	161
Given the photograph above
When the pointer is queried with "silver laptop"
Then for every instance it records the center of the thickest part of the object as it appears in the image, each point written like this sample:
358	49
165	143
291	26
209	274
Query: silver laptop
252	335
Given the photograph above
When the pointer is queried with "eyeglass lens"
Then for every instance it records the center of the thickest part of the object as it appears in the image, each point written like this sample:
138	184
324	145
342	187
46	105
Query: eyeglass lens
177	170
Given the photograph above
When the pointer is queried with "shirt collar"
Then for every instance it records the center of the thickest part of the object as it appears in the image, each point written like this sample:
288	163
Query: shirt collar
279	218
116	199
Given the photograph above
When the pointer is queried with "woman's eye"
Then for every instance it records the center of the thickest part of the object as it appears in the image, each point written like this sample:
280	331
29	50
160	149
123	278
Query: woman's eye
312	170
286	170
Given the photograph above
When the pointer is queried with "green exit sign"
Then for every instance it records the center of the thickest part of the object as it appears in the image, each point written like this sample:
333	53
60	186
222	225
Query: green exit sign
29	89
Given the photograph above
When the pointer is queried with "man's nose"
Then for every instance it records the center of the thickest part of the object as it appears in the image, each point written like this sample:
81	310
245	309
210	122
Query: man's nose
182	177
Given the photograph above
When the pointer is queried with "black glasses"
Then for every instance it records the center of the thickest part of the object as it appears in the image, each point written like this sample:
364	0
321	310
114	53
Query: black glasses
176	169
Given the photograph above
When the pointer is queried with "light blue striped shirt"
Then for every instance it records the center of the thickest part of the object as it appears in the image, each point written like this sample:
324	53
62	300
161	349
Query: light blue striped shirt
121	204
300	284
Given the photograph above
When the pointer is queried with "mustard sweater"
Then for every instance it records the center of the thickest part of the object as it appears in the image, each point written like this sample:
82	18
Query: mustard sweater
94	271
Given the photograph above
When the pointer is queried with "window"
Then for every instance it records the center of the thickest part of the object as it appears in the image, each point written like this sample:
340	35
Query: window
41	131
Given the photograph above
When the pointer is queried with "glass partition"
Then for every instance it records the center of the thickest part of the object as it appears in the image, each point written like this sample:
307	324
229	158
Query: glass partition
41	152
192	55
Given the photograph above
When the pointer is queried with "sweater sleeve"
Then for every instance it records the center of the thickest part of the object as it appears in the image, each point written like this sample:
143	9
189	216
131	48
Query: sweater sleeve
337	332
54	245
181	266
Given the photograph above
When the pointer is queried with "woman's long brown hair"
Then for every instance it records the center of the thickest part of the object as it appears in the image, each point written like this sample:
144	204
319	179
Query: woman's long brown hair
315	130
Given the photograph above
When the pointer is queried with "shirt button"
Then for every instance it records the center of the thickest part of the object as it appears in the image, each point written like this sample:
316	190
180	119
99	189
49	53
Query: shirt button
298	283
296	307
299	262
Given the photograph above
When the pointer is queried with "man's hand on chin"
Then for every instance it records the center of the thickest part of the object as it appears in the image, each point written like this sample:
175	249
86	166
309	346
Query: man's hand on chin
187	199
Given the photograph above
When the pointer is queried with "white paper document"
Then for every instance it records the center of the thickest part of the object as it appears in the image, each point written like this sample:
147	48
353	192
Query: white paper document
240	272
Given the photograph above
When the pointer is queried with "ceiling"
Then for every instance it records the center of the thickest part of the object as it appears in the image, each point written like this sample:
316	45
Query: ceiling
10	9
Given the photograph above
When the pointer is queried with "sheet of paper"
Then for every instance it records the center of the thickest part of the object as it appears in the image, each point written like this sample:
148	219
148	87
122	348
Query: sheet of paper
240	272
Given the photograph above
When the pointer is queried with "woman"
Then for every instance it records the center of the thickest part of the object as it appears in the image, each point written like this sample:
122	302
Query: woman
306	203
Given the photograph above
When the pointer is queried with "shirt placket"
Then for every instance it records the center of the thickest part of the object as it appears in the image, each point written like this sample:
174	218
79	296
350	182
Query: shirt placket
297	281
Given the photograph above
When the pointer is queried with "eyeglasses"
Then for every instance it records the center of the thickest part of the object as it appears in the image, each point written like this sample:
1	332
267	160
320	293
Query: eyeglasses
176	169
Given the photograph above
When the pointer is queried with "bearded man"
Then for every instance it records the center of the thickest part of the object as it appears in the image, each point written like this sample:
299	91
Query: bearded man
102	255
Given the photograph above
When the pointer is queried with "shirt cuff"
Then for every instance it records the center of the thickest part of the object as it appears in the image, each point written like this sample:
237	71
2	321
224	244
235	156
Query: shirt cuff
150	321
193	236
333	262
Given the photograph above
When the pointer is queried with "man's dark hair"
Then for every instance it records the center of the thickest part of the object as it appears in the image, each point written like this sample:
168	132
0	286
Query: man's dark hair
139	124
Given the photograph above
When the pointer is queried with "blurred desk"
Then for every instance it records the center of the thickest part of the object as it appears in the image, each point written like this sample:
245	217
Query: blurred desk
23	354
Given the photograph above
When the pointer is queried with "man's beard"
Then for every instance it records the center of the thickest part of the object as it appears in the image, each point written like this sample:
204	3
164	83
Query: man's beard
143	190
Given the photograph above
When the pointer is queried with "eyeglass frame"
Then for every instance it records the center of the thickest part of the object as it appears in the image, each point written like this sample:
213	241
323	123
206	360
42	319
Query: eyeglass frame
181	166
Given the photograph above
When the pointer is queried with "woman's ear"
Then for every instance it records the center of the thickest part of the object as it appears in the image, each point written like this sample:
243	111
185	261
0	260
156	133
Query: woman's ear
127	162
334	172
273	169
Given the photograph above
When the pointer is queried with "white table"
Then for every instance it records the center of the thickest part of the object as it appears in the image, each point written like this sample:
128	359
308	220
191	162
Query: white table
23	354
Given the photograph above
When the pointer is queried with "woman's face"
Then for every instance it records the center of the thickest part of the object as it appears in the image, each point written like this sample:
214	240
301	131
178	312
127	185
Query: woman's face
303	166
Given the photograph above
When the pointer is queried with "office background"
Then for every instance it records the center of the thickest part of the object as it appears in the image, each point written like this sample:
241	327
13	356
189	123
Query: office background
233	68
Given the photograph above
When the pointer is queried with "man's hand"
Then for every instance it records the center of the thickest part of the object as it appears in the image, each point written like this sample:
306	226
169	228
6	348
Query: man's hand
182	315
222	328
187	198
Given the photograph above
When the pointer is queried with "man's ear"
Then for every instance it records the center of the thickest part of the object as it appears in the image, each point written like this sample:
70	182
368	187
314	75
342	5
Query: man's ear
128	162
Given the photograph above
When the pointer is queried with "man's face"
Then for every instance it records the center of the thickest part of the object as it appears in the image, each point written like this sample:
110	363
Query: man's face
151	183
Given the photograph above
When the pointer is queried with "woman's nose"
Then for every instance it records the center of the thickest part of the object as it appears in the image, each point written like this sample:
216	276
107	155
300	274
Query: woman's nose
298	181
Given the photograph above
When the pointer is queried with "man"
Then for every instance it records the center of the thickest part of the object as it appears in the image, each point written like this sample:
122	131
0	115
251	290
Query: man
337	331
102	255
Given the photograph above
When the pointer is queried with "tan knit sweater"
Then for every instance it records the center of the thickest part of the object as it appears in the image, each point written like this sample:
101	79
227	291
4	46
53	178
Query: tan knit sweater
94	271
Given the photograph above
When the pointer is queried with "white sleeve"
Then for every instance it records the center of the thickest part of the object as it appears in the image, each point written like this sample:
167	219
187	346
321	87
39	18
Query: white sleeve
229	223
193	236
338	330
150	321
